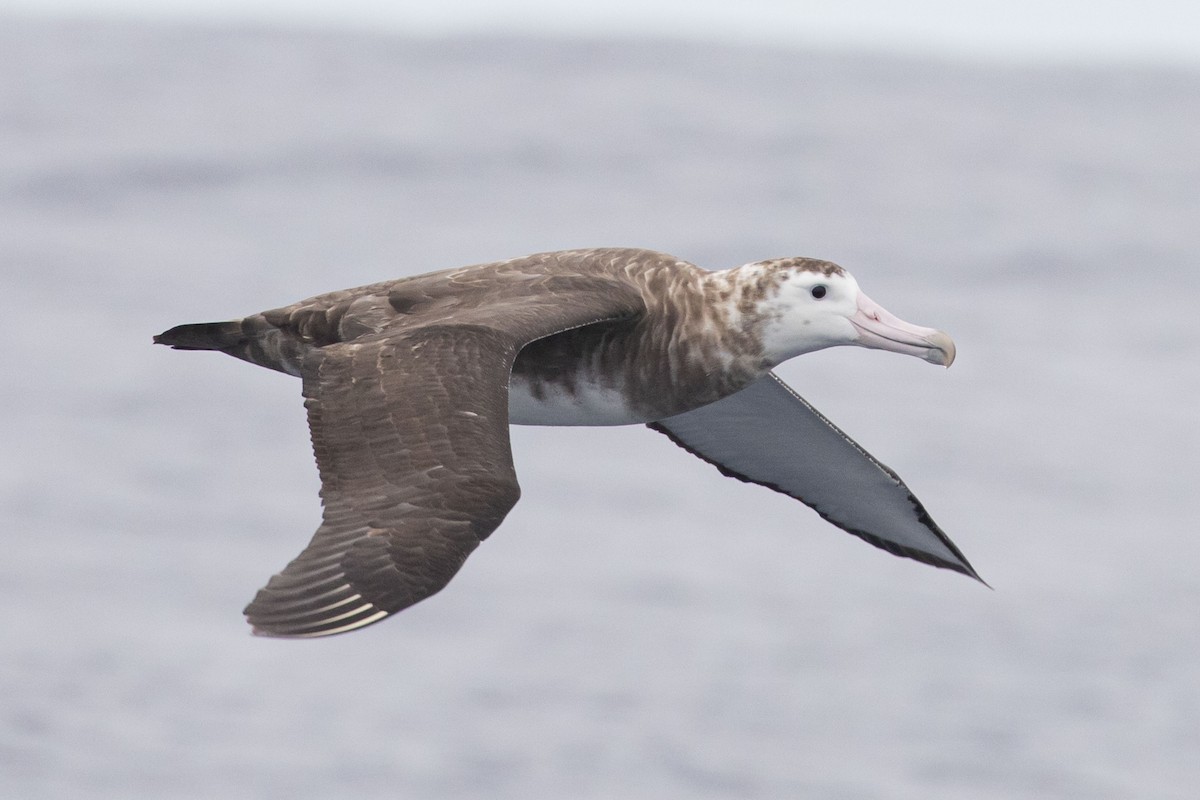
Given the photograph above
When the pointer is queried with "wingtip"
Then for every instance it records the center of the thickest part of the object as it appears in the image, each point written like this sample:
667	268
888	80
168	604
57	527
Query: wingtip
964	568
263	633
267	633
313	624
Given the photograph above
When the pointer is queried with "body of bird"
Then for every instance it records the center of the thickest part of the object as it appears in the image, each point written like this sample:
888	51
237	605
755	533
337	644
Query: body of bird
411	384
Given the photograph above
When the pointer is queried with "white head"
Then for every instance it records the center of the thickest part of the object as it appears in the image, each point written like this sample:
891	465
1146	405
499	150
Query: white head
809	305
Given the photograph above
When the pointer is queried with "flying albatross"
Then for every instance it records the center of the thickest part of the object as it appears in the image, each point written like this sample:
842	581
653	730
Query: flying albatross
411	384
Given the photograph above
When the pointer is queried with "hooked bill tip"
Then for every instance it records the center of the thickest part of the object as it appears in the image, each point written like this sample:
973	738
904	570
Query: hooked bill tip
941	349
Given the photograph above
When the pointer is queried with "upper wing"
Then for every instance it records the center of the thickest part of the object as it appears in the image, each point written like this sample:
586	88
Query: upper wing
768	434
410	432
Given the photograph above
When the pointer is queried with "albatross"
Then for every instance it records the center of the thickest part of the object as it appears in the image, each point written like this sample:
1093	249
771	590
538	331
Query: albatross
411	385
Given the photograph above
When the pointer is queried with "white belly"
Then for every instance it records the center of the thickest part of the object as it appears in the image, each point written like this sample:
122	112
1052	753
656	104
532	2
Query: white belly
551	404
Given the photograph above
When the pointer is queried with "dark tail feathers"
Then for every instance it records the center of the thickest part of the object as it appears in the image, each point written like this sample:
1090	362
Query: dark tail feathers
204	336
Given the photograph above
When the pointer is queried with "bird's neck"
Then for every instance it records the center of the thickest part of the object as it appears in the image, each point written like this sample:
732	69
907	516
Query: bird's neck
742	303
713	341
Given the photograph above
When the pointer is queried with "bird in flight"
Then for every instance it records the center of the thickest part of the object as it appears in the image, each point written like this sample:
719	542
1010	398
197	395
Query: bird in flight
411	385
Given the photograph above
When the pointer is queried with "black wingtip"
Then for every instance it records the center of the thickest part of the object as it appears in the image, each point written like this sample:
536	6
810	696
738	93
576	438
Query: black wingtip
975	575
962	566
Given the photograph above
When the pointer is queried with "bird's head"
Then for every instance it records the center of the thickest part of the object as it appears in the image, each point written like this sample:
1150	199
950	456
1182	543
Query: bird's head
809	305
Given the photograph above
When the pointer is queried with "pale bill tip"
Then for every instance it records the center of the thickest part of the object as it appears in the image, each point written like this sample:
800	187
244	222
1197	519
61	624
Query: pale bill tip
941	349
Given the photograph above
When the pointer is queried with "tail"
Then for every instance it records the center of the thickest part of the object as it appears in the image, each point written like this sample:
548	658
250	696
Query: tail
225	336
251	339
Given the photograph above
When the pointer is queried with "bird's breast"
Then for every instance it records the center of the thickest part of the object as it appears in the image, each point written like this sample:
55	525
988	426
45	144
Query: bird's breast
574	401
621	374
584	376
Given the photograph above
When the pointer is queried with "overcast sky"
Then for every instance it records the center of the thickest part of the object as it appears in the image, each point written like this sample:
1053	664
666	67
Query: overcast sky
1156	30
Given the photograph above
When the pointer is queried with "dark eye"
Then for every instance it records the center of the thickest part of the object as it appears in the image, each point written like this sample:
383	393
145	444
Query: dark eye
818	291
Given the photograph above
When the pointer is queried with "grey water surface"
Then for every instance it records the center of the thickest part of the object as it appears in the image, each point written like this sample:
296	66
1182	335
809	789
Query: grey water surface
640	627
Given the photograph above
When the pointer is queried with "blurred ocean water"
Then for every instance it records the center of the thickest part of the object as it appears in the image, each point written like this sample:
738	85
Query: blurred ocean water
639	626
